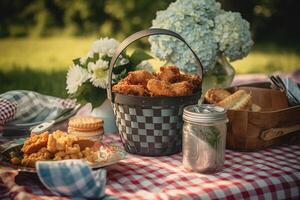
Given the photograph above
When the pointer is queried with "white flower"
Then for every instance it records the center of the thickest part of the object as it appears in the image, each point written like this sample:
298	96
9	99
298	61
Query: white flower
83	60
105	46
145	65
76	76
194	20
99	73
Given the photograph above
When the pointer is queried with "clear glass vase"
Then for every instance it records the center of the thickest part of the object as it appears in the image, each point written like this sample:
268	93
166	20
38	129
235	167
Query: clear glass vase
220	75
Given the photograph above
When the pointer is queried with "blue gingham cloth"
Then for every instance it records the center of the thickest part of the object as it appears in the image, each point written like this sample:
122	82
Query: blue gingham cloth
22	106
73	178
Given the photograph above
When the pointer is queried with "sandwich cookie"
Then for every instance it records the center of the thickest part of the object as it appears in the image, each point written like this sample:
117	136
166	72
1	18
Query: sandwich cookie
86	127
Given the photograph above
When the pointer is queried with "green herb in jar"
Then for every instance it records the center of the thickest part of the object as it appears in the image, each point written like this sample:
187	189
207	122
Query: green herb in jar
209	134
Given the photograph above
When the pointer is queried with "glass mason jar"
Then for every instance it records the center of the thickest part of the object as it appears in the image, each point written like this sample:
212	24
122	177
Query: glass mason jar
204	138
220	75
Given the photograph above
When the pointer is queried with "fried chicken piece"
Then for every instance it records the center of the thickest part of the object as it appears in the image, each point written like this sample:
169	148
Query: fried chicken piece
30	159
240	100
137	90
160	88
183	88
71	152
169	74
193	79
215	95
139	77
143	83
134	84
60	146
60	141
35	142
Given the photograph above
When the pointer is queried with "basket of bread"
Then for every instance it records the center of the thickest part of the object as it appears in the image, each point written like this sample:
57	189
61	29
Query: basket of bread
259	116
149	106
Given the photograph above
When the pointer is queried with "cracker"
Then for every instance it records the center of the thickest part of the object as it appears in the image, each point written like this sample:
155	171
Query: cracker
92	133
85	123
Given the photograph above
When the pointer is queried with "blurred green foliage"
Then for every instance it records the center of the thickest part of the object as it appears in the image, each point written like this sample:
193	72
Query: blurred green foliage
269	19
30	61
274	21
78	17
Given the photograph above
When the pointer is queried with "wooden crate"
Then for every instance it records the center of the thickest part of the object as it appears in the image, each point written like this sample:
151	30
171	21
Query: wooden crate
275	124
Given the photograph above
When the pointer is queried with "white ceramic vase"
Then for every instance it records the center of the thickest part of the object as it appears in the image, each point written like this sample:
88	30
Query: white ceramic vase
105	112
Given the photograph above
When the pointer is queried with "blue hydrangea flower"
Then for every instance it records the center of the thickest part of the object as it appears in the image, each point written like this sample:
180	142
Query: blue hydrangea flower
201	23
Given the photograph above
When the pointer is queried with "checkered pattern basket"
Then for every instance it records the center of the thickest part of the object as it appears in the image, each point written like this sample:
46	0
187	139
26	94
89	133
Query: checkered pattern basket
150	131
150	126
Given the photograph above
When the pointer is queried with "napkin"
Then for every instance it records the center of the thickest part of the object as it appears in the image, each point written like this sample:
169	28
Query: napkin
290	88
25	107
73	178
293	88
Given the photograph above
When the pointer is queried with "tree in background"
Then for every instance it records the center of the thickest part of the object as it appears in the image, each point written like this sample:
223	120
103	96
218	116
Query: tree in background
78	17
270	19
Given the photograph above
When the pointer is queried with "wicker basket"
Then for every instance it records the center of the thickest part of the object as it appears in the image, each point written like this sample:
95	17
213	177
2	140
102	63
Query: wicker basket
275	124
150	126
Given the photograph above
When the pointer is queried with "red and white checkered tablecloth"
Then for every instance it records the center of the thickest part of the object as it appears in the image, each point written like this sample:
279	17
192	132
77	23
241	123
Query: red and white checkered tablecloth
273	173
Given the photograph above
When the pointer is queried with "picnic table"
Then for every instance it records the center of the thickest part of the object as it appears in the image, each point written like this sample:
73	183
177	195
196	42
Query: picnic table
273	173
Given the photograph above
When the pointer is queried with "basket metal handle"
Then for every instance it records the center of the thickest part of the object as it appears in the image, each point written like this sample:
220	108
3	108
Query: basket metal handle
136	36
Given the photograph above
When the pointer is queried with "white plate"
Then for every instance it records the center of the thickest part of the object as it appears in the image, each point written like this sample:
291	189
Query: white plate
112	158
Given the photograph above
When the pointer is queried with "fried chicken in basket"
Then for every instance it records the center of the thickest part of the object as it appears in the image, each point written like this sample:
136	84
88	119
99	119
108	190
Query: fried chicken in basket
167	82
170	74
159	88
194	80
125	88
183	88
140	77
163	88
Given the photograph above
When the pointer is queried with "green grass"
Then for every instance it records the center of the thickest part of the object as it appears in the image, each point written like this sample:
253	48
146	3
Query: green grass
45	54
268	62
57	53
49	83
40	64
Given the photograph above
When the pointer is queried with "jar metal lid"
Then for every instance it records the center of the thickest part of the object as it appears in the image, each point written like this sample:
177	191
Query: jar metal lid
204	113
